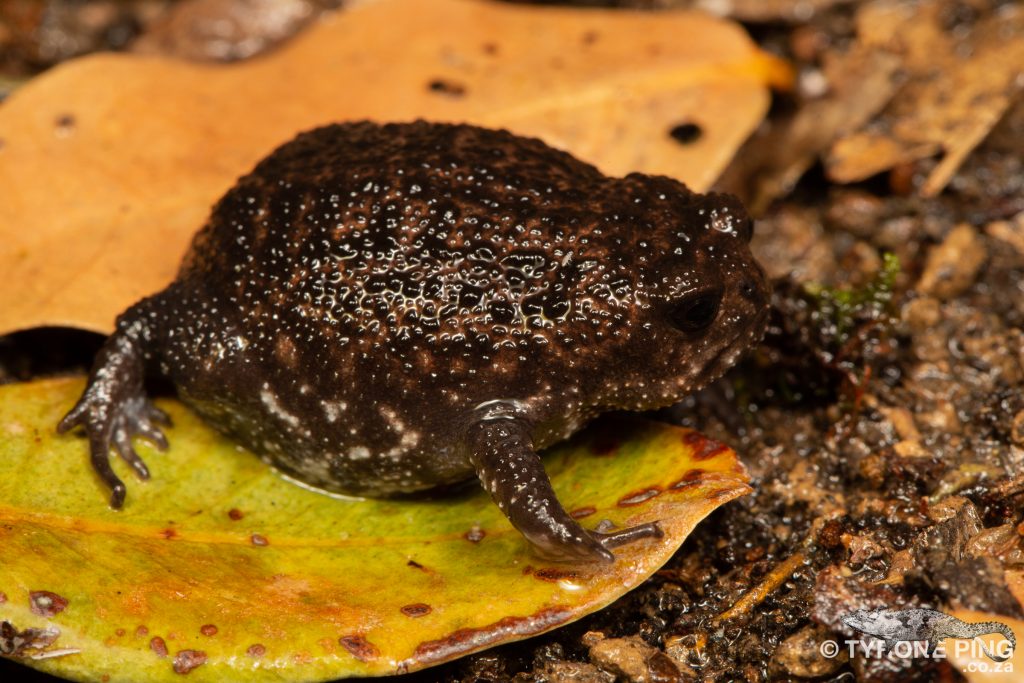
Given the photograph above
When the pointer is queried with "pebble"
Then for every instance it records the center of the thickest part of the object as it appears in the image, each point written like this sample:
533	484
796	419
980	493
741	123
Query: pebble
800	656
952	266
631	659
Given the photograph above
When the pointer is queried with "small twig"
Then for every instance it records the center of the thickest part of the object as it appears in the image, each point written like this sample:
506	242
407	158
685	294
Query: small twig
768	585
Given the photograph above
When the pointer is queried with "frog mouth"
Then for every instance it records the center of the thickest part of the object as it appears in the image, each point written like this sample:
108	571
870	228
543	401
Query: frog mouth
725	358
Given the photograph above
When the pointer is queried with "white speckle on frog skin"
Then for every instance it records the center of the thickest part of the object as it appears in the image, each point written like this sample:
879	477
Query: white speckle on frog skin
333	410
358	453
273	406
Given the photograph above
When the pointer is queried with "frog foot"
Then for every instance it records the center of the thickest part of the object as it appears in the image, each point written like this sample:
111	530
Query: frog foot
114	408
593	546
511	471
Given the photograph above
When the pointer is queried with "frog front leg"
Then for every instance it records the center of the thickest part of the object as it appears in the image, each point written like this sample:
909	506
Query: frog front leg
509	468
114	407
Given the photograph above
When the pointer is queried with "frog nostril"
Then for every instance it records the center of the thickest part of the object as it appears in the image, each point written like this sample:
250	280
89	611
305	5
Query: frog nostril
750	291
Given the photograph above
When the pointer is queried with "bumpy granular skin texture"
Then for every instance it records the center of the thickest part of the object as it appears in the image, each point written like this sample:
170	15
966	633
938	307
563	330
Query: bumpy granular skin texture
365	304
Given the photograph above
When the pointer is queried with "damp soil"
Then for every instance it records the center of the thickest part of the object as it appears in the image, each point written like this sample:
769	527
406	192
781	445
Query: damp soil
882	418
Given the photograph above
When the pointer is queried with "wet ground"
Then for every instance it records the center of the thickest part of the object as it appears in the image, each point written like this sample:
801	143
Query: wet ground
882	418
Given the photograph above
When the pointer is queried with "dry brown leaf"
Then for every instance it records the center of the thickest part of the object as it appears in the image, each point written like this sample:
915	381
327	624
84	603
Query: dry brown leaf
759	11
958	89
110	163
224	30
862	83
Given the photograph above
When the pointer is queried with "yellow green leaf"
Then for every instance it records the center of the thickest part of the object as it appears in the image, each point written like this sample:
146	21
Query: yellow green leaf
219	567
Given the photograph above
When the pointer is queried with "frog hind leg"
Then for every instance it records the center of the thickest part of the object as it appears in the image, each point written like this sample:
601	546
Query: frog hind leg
114	407
510	470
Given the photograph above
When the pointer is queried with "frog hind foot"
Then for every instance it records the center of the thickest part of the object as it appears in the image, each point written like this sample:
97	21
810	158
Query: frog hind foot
114	407
512	473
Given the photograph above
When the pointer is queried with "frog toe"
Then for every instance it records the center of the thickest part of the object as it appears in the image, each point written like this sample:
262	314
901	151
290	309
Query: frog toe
155	416
124	448
616	539
582	547
99	455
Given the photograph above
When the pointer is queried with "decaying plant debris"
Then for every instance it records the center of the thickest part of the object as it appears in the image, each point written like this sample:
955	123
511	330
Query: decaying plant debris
883	417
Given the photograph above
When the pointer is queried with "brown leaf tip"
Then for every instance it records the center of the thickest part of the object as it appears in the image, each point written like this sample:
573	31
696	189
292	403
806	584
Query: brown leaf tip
359	647
235	514
46	604
638	497
208	630
726	493
417	610
259	539
256	650
157	645
187	660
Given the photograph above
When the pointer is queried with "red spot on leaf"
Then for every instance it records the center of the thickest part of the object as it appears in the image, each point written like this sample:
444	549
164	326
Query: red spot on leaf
417	610
168	533
141	631
235	514
119	632
46	604
580	513
555	574
469	639
359	647
187	660
259	539
692	478
639	497
208	630
605	442
703	447
157	645
256	650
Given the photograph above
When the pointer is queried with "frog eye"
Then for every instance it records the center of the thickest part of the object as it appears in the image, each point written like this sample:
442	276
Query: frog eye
697	310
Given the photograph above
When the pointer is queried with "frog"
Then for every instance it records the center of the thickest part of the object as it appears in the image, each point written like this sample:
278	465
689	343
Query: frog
388	309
